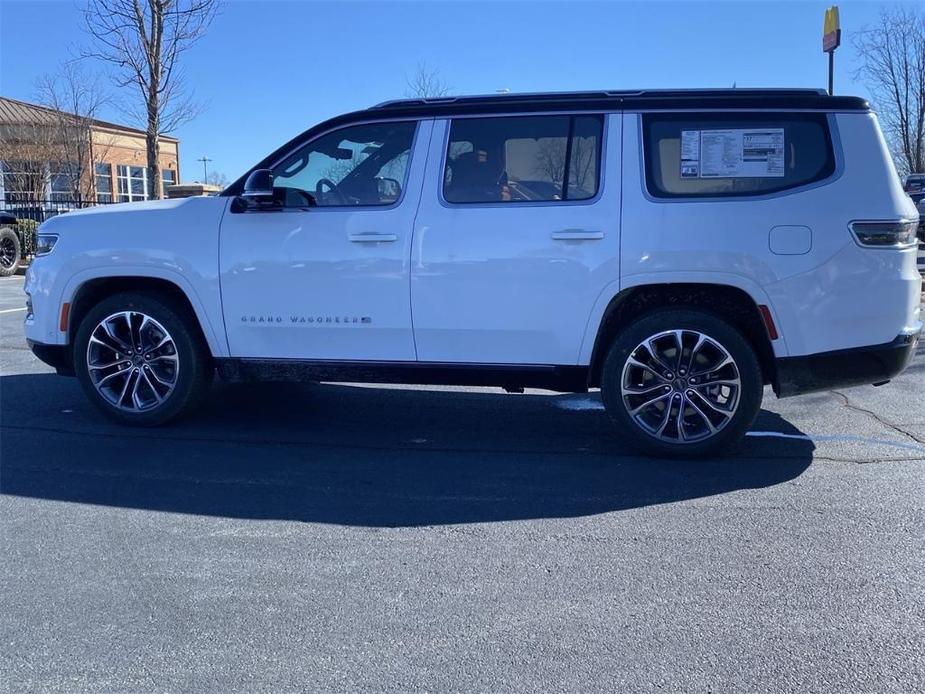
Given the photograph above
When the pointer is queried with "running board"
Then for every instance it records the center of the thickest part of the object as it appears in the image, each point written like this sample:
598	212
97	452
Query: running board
511	377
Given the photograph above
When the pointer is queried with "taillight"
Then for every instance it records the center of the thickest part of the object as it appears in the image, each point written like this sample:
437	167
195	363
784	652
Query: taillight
889	234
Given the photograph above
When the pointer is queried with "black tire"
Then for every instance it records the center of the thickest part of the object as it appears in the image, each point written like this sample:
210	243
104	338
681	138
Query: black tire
194	367
728	433
10	251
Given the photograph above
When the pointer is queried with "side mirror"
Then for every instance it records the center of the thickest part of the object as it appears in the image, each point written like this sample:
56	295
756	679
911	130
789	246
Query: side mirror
259	184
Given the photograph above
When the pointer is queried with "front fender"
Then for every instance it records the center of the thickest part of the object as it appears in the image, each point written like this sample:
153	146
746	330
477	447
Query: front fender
204	313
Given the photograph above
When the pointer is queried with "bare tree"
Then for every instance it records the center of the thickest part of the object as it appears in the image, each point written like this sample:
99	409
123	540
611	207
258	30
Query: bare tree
143	41
893	67
583	166
75	99
25	150
550	161
426	83
217	178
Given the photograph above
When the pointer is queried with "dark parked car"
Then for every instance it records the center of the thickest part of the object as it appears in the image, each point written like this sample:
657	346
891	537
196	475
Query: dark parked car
915	186
921	206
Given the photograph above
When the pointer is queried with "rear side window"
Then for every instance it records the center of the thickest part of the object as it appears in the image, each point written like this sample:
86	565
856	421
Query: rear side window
692	155
523	159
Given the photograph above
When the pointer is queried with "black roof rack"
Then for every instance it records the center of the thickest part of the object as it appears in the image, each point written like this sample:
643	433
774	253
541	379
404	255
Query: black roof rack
602	95
632	99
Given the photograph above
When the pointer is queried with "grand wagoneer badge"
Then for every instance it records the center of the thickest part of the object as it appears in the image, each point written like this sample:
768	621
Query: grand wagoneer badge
307	320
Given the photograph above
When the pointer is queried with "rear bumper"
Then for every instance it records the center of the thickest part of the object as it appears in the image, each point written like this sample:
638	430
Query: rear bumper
875	364
56	356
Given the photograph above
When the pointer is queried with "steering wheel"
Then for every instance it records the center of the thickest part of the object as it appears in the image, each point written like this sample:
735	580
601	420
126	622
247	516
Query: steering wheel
341	198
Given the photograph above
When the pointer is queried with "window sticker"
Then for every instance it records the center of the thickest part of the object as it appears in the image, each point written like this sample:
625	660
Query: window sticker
690	154
740	153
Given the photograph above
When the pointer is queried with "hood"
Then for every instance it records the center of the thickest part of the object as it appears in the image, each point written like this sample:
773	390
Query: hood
99	213
120	207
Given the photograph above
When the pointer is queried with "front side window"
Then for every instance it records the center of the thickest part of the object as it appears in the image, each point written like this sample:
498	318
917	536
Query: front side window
523	159
694	155
354	166
168	177
133	183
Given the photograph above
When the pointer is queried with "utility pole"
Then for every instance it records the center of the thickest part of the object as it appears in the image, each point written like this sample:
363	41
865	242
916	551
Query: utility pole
831	39
205	168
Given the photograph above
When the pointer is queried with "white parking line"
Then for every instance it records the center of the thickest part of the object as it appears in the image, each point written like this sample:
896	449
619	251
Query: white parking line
575	404
586	403
13	310
838	437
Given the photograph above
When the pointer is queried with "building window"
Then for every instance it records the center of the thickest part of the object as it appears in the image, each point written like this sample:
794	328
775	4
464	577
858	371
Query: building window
168	177
23	181
63	182
133	183
103	183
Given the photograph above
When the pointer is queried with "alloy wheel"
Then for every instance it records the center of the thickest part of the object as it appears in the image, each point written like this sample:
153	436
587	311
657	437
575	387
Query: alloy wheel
681	386
132	361
7	253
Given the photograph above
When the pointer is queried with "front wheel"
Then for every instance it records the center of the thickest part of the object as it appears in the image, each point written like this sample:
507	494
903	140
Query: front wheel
682	383
141	359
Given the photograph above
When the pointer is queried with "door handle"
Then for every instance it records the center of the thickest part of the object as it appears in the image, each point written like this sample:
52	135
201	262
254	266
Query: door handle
371	237
577	235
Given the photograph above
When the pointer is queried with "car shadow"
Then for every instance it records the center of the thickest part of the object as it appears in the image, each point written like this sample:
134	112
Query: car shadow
361	456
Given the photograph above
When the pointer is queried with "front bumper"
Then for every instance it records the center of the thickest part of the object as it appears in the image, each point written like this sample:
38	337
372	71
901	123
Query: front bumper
842	368
56	356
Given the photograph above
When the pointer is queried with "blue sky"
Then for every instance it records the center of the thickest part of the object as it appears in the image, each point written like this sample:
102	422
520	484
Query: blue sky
268	70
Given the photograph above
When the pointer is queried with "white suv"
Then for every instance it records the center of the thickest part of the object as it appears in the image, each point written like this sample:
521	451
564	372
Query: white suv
676	249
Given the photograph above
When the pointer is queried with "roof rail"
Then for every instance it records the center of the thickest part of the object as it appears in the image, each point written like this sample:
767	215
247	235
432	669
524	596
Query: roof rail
600	94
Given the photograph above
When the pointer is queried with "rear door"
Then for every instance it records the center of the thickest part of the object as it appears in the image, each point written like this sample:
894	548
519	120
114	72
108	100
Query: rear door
517	234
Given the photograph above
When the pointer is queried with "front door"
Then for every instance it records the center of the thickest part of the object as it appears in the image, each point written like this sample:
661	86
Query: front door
324	273
517	236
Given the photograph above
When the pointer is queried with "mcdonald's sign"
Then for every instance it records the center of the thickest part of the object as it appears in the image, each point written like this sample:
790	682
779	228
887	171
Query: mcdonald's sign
831	31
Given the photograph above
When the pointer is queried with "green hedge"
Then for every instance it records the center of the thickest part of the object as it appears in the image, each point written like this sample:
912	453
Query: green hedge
26	230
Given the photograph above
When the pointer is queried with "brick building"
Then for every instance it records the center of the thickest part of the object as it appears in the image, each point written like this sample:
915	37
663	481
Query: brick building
51	159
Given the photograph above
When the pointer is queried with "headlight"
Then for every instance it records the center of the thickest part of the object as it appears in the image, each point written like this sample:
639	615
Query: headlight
892	234
44	243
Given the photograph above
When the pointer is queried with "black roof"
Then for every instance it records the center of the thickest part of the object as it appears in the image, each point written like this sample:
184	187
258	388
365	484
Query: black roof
606	100
816	99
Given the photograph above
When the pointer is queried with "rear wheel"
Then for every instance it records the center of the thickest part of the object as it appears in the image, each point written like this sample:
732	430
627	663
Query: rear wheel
141	360
682	383
10	252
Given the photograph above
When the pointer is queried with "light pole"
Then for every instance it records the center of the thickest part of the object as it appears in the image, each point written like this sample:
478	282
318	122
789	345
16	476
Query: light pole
205	168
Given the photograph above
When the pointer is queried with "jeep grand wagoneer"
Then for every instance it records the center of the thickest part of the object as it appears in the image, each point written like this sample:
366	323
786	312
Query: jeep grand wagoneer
678	250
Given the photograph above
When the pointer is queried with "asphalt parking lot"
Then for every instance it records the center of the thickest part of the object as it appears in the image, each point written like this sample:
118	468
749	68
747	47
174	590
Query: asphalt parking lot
349	538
